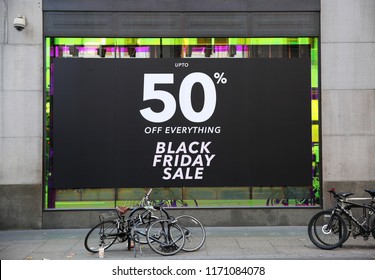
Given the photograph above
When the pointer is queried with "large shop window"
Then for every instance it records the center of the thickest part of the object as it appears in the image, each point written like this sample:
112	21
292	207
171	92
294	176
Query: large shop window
205	122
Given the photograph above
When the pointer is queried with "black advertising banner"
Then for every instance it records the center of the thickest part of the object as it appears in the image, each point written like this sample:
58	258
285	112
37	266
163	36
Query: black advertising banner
181	122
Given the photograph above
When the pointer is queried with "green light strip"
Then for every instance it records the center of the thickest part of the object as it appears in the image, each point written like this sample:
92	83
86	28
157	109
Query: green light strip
313	42
185	41
314	63
48	61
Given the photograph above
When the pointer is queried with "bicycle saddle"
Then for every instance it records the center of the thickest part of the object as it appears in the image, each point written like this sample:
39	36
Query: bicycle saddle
122	210
371	192
345	194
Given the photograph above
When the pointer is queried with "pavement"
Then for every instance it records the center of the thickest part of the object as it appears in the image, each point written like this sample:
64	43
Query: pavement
222	243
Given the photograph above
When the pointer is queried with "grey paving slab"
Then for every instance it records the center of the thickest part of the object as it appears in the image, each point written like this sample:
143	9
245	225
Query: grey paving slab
18	251
273	243
286	241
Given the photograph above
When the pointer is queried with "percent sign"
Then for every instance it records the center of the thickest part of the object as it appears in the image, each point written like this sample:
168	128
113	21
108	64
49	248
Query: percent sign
220	78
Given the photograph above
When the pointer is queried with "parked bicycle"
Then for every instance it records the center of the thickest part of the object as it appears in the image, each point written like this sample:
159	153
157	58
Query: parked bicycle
115	227
194	231
329	229
142	212
146	224
164	235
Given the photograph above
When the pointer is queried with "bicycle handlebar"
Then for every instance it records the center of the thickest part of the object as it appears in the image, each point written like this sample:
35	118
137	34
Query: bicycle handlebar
337	195
332	190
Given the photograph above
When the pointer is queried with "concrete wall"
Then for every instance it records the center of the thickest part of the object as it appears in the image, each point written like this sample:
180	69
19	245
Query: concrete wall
348	94
208	217
21	103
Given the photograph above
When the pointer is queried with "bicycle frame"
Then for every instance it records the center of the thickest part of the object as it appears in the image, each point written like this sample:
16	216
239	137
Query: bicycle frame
126	226
364	228
343	205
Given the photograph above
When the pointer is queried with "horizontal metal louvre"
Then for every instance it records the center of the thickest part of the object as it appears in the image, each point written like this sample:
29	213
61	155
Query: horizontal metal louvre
182	5
216	24
79	24
288	24
147	24
172	24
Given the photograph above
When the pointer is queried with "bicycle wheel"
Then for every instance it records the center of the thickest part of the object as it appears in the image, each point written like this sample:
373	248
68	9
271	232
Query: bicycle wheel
326	230
371	224
195	233
142	218
348	223
103	234
165	237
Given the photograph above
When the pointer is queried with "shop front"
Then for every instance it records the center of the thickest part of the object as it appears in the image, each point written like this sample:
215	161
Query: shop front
215	107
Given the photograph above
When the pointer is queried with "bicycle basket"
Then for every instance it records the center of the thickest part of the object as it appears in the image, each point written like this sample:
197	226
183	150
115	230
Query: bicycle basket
110	215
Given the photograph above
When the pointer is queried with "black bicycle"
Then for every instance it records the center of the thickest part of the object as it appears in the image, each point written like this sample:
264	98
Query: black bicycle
195	233
167	235
115	227
143	214
329	229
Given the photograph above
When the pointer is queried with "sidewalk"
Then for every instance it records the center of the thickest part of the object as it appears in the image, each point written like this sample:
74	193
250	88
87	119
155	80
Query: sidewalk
262	243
